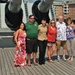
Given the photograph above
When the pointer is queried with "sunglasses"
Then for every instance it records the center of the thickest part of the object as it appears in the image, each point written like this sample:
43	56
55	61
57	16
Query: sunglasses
32	18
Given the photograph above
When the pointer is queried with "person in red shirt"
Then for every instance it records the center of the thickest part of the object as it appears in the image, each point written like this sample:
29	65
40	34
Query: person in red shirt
51	38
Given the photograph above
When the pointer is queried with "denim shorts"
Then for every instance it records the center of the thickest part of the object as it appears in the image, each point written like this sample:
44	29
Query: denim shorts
51	44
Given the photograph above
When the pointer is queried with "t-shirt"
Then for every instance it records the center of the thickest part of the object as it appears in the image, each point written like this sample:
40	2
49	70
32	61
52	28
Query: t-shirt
52	33
32	30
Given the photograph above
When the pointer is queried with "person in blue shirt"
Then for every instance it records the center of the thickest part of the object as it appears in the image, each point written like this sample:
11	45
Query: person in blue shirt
70	39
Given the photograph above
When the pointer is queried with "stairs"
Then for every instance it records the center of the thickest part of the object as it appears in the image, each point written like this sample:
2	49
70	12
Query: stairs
6	36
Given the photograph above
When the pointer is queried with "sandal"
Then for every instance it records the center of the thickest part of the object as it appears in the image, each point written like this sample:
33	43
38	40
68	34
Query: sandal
69	58
51	60
35	63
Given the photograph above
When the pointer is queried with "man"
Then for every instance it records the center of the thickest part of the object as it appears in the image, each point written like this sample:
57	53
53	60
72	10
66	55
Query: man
32	34
61	37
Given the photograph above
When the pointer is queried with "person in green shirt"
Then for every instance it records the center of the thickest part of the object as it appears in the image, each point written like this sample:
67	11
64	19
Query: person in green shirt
32	33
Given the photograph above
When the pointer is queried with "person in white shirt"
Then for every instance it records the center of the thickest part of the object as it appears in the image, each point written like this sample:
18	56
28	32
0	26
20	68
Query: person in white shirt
61	37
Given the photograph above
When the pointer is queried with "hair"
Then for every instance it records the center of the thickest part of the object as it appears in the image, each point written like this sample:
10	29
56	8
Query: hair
23	24
69	18
60	16
73	21
31	16
44	19
54	22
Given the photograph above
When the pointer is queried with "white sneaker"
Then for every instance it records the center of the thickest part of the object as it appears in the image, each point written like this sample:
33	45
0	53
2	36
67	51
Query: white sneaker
64	58
58	57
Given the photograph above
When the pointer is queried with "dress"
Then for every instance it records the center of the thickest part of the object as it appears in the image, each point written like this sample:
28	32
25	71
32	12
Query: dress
20	53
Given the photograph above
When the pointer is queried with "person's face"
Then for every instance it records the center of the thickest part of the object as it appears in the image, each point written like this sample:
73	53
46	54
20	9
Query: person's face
22	26
32	19
69	22
73	24
61	19
43	22
52	23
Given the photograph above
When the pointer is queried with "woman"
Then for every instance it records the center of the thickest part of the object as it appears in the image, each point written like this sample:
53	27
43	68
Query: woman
70	39
42	41
51	37
20	51
73	24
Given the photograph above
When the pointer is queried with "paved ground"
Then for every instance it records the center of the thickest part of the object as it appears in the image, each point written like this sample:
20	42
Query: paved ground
57	68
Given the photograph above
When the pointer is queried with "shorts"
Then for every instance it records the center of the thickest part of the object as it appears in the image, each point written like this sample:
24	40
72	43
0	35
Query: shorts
31	46
61	43
51	44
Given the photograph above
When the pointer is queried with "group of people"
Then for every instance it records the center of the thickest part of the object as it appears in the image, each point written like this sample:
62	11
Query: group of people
31	36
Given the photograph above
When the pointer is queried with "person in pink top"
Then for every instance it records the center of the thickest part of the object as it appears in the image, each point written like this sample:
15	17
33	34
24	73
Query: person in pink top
20	50
51	38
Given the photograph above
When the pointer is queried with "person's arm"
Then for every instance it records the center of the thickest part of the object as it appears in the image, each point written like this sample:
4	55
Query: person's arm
38	27
16	37
47	24
47	29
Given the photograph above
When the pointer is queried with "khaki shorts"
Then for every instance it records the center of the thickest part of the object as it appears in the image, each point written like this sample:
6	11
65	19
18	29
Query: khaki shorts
61	43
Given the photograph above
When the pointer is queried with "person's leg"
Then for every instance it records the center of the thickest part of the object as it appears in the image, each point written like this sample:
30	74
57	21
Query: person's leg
44	50
64	45
53	49
69	49
29	50
48	52
29	57
72	49
34	57
58	43
35	45
40	44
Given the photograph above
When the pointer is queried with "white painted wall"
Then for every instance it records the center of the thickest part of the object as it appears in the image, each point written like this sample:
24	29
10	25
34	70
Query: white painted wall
50	15
29	8
24	14
3	24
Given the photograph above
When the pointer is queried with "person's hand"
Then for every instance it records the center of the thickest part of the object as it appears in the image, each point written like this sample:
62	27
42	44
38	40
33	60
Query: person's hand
47	24
18	46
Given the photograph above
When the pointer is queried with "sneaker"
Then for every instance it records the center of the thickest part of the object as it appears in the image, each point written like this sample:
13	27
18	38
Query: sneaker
64	58
58	57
